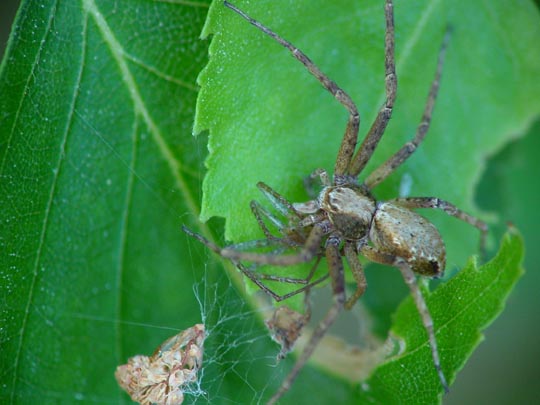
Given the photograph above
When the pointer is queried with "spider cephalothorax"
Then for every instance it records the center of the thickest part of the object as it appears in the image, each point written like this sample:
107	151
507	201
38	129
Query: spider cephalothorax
345	220
349	210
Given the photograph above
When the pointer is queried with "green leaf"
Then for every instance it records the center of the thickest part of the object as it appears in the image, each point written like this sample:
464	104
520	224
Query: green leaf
461	308
506	188
98	170
271	121
97	164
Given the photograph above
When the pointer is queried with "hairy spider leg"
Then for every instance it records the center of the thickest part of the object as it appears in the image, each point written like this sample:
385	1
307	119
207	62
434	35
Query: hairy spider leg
256	277
310	249
376	256
378	127
448	208
258	243
278	201
348	144
357	270
282	279
384	170
259	212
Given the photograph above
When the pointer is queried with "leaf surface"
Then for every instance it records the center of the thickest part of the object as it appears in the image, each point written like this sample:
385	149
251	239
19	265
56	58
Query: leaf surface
97	163
98	170
461	308
271	121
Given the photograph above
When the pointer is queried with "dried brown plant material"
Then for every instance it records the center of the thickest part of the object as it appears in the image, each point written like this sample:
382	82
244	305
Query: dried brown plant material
161	378
285	328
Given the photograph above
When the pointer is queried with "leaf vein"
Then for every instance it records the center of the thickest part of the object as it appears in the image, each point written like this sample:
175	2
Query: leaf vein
160	74
52	193
119	56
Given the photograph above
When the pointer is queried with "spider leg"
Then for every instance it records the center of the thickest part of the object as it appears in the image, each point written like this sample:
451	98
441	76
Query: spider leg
410	279
348	144
292	235
282	244
293	232
306	253
210	245
273	277
277	200
450	209
282	279
335	266
257	277
378	127
408	149
259	212
259	243
309	182
358	273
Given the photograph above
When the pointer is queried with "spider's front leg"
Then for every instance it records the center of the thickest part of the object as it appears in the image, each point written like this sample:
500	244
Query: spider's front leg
259	212
279	202
358	273
348	144
258	278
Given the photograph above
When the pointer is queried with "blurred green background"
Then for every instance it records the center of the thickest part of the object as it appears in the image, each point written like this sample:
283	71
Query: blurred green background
505	368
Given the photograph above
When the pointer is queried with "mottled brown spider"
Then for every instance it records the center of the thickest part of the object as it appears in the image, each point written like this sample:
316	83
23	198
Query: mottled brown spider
345	219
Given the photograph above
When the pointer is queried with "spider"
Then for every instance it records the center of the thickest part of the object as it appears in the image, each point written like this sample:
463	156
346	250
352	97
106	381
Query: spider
345	220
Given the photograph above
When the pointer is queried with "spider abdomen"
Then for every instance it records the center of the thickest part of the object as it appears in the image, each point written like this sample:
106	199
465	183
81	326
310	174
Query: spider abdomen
403	233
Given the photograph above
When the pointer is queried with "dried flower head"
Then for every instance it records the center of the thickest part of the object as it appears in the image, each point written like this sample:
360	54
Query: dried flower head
161	378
